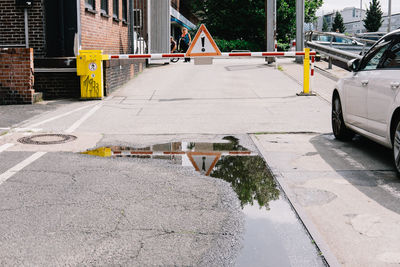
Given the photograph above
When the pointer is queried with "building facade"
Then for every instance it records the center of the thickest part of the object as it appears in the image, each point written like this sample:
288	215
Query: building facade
58	29
354	23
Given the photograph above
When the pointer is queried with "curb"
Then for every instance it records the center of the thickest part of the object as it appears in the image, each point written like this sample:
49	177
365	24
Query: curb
310	227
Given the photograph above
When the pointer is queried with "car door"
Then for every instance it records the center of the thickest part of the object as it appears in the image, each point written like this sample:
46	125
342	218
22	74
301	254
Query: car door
356	88
384	85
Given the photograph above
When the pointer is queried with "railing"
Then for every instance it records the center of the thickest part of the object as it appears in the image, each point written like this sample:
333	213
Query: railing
334	53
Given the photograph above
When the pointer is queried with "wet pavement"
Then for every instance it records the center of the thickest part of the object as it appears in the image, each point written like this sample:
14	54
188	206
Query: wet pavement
274	235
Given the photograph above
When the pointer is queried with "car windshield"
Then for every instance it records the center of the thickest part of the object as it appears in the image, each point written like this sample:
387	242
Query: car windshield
325	38
342	40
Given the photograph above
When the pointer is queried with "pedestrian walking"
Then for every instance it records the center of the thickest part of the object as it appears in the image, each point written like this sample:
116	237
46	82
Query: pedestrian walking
185	41
173	45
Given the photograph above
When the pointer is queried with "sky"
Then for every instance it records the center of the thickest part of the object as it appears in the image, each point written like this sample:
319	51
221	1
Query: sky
330	5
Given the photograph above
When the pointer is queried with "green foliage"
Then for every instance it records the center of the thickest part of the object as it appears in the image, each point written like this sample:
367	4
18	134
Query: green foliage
229	45
286	17
245	19
325	25
283	46
338	24
248	175
373	20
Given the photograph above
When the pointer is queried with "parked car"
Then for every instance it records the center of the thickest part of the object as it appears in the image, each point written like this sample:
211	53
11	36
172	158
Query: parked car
367	102
373	36
336	40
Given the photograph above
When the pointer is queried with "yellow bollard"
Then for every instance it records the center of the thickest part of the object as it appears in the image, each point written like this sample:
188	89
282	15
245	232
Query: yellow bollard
306	78
89	65
306	74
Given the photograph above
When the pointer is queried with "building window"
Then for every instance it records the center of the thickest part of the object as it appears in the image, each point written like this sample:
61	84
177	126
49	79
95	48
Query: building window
115	9
89	4
125	10
137	18
104	6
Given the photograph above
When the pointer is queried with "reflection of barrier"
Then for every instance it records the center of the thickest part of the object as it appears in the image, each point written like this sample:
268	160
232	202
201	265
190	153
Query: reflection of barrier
90	66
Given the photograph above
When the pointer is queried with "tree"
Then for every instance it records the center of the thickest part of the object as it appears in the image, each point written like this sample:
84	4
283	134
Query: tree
373	19
245	19
338	24
286	17
325	25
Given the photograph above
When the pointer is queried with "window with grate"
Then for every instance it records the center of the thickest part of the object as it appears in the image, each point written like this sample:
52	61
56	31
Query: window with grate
89	4
104	6
125	10
116	9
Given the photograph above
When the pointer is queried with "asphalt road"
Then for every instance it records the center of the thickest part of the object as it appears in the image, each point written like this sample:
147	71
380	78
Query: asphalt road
61	207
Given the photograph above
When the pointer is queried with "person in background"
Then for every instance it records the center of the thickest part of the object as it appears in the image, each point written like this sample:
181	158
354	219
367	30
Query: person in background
184	42
173	45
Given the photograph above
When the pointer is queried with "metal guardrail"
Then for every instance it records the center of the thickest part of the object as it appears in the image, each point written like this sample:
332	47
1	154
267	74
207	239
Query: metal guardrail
331	52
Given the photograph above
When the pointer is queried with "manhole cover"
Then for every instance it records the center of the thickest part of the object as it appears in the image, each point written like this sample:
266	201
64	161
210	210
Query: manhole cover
47	139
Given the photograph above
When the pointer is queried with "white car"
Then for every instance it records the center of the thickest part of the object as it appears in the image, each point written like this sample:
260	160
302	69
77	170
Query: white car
368	101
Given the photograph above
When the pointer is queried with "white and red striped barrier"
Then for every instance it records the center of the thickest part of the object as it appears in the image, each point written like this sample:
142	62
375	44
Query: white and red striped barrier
128	153
224	55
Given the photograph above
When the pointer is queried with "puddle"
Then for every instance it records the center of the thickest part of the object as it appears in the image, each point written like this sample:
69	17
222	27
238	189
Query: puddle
271	226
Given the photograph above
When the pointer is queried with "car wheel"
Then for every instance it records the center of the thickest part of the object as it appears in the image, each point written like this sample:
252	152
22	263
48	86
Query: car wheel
340	130
396	147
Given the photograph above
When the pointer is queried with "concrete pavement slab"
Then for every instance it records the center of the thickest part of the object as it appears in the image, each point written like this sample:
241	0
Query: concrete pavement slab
349	191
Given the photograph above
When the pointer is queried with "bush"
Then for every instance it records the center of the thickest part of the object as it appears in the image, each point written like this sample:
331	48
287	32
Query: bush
283	47
229	45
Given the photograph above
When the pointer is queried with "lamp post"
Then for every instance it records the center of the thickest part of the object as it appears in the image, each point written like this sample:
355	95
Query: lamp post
299	28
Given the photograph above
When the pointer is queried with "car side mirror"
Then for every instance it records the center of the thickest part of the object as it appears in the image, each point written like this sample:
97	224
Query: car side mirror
354	64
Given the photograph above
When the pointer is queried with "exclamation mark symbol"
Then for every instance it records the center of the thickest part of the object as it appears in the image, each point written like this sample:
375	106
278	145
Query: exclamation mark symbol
203	40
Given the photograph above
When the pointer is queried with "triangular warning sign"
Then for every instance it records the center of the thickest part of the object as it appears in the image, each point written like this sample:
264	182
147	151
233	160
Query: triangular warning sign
203	44
204	162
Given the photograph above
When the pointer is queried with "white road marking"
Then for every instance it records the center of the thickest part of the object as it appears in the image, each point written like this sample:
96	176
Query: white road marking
10	172
7	128
83	119
5	147
58	116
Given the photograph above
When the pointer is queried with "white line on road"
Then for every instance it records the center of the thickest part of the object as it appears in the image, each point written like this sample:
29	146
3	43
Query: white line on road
58	116
82	120
9	173
5	147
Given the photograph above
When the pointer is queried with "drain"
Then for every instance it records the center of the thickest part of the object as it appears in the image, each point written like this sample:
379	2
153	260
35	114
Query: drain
47	139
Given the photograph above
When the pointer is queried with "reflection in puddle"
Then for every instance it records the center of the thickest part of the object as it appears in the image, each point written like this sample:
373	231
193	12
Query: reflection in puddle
273	234
244	169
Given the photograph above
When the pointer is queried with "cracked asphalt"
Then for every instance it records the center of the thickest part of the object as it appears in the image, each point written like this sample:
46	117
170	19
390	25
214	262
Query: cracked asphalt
135	212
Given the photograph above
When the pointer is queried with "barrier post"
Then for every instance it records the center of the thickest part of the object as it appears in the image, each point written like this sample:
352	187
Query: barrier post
89	65
306	74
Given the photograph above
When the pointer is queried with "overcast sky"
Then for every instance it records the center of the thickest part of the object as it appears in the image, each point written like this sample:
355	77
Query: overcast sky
330	5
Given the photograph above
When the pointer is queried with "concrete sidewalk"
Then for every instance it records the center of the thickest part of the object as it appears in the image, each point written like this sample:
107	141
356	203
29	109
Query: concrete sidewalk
347	193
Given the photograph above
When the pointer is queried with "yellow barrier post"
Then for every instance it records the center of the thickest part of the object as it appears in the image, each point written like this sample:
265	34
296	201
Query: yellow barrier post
89	65
306	74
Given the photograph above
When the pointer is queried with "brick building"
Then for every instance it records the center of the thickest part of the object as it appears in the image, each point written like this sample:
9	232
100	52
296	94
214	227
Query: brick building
58	29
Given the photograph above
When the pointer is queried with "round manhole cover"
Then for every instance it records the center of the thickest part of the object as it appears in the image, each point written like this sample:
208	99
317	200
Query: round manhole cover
47	139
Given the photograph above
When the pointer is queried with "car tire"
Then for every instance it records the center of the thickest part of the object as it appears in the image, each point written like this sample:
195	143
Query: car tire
396	146
340	131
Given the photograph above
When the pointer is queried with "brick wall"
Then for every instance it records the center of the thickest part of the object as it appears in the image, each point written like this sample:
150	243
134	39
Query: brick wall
55	85
16	76
12	27
117	72
104	33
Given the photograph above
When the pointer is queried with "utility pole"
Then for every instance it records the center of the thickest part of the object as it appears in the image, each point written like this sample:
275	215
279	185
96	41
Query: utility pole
270	7
299	28
390	16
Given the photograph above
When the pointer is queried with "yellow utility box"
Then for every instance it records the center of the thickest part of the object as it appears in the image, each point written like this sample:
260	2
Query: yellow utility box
89	65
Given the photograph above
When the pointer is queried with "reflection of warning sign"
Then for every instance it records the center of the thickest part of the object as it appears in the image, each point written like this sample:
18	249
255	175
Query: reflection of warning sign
204	162
203	44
